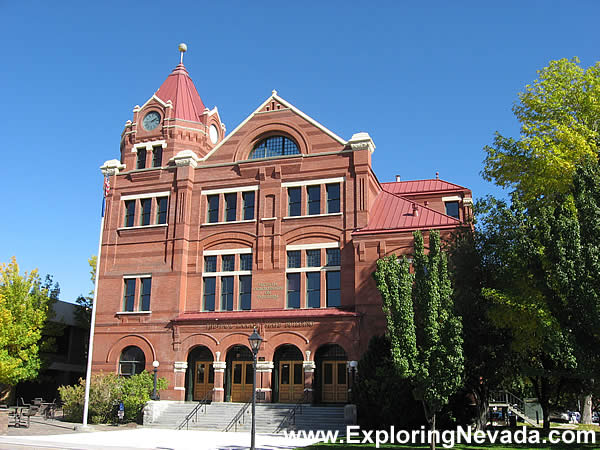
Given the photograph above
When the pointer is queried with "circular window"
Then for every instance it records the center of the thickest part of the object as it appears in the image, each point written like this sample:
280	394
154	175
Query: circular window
213	133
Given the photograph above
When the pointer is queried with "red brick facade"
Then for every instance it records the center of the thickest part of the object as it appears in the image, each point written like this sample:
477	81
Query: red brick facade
177	273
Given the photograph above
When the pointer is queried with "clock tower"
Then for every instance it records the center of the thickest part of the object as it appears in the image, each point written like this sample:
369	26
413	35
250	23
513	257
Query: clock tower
172	120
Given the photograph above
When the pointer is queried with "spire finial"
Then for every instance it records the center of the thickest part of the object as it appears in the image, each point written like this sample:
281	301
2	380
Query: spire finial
437	175
182	49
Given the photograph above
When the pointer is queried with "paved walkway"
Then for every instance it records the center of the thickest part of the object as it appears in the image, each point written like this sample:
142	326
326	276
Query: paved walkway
57	435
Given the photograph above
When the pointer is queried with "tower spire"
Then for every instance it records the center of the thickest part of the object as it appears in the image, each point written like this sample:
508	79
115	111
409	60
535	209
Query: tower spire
182	50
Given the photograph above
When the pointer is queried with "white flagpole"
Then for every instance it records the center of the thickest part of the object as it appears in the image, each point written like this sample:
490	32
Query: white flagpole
88	374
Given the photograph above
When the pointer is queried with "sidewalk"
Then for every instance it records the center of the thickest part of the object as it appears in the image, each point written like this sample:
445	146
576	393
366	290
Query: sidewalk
57	435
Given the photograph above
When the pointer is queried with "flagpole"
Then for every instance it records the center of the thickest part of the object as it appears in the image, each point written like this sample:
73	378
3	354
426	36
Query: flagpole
88	374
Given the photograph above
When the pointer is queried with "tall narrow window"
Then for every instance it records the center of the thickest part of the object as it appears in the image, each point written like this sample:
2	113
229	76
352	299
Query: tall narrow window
313	258
129	297
246	262
162	203
230	207
227	263
245	292
145	294
333	198
452	209
129	213
209	293
146	207
157	156
210	263
293	290
226	293
333	288
314	199
313	289
294	201
141	158
213	208
248	200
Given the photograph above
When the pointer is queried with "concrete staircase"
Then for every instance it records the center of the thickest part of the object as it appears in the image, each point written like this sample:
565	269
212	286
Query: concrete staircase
269	417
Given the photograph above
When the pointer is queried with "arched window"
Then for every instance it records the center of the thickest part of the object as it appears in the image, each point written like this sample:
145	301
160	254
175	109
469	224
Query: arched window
274	146
132	361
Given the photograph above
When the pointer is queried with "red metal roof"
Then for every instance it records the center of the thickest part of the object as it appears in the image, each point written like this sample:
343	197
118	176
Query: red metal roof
392	212
265	314
419	186
180	89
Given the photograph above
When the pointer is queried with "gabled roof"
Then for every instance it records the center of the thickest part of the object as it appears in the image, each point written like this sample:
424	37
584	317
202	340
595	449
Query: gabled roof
180	89
392	212
420	186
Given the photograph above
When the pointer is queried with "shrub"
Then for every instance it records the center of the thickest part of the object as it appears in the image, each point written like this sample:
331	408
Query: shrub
106	391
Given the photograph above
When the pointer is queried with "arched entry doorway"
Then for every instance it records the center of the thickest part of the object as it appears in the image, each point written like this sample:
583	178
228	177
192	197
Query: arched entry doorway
238	374
288	374
200	375
331	374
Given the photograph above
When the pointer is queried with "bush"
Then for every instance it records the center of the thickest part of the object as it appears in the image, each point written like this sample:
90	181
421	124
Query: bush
106	391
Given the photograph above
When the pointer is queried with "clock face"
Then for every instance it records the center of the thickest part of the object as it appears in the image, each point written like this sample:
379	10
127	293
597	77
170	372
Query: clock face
214	134
151	121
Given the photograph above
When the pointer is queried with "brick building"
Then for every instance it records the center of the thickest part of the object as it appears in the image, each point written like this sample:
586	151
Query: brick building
276	225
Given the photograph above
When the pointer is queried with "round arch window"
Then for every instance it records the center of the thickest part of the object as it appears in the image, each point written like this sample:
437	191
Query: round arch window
132	361
273	147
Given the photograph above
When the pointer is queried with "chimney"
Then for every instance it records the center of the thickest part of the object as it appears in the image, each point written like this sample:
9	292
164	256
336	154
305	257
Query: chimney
397	178
415	210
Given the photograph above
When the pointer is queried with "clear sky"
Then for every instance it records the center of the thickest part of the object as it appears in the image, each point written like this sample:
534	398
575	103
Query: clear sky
429	81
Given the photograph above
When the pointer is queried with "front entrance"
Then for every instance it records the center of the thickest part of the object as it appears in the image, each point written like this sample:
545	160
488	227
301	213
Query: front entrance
291	381
204	379
335	382
241	383
331	374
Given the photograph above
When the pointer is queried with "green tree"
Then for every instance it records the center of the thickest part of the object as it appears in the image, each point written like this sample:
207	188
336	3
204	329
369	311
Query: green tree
24	303
83	315
560	123
424	331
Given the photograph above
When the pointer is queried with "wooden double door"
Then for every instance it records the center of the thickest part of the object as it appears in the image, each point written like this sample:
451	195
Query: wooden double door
204	379
334	387
291	381
241	381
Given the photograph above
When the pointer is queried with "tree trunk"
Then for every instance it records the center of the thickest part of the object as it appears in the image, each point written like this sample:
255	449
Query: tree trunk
545	415
432	443
586	409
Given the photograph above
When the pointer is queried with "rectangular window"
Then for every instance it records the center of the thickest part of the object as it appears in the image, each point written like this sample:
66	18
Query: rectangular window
333	288
157	156
452	209
313	258
230	207
293	259
210	263
146	207
245	292
294	201
227	263
293	290
145	294
226	293
333	198
313	289
141	158
162	203
129	213
248	200
314	199
246	262
213	208
333	257
129	297
209	293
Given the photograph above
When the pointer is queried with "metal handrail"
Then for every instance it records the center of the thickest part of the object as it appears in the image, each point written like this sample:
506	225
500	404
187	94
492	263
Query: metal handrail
206	400
290	417
507	397
236	420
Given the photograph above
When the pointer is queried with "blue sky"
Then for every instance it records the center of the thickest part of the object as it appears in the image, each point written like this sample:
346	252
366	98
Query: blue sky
429	81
